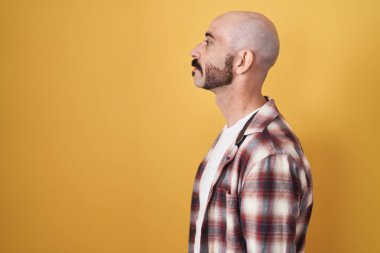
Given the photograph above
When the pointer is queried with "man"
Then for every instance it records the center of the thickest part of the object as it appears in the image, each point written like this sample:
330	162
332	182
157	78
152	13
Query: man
253	190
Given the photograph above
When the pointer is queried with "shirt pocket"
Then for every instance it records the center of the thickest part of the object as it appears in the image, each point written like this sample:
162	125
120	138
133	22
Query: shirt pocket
235	242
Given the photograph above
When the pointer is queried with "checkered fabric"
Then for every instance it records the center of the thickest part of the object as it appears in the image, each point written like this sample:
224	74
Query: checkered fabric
261	197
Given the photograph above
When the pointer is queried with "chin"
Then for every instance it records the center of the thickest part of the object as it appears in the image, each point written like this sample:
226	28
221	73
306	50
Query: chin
198	83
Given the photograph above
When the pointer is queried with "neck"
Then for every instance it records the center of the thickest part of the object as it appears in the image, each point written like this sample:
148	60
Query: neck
236	103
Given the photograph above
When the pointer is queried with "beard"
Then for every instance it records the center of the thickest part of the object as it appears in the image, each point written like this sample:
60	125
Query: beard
216	77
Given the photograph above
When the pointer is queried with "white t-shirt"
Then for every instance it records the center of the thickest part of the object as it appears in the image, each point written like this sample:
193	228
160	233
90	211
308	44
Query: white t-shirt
229	135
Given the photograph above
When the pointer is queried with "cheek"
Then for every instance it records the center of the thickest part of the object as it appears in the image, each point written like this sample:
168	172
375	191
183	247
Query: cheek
219	64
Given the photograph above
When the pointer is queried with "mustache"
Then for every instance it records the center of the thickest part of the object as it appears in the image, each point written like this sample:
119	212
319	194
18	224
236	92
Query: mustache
196	64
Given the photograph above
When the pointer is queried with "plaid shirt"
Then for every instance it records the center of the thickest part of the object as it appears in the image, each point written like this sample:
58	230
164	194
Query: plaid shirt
261	197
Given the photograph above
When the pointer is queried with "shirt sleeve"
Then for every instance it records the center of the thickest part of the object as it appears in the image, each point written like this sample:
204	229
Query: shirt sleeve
269	205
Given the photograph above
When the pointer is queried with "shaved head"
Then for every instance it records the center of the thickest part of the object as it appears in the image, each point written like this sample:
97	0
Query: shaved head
239	48
251	31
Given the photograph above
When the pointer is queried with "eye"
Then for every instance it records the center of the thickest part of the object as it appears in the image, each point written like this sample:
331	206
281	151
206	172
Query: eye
207	42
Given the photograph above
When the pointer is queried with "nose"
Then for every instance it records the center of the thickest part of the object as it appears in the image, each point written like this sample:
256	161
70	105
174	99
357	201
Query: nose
195	52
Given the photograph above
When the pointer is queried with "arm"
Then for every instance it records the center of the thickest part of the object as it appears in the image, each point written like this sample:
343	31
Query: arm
269	205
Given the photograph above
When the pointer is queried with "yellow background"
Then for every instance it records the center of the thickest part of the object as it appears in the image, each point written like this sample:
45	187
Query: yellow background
102	128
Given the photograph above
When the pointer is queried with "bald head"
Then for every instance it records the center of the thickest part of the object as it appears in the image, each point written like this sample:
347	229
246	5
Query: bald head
251	31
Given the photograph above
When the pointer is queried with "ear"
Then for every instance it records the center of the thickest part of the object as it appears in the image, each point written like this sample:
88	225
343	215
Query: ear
245	60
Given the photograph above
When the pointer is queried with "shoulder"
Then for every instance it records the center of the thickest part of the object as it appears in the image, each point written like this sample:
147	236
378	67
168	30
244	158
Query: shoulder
276	149
277	139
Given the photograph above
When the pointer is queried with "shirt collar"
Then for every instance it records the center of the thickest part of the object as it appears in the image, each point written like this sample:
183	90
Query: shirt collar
257	122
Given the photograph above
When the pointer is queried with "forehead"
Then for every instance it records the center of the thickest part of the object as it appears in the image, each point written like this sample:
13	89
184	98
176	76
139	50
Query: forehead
219	29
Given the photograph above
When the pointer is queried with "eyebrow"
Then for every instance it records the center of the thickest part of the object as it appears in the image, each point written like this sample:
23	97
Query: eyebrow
208	34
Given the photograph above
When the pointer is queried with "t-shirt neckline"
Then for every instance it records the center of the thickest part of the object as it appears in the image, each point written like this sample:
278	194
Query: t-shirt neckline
240	122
